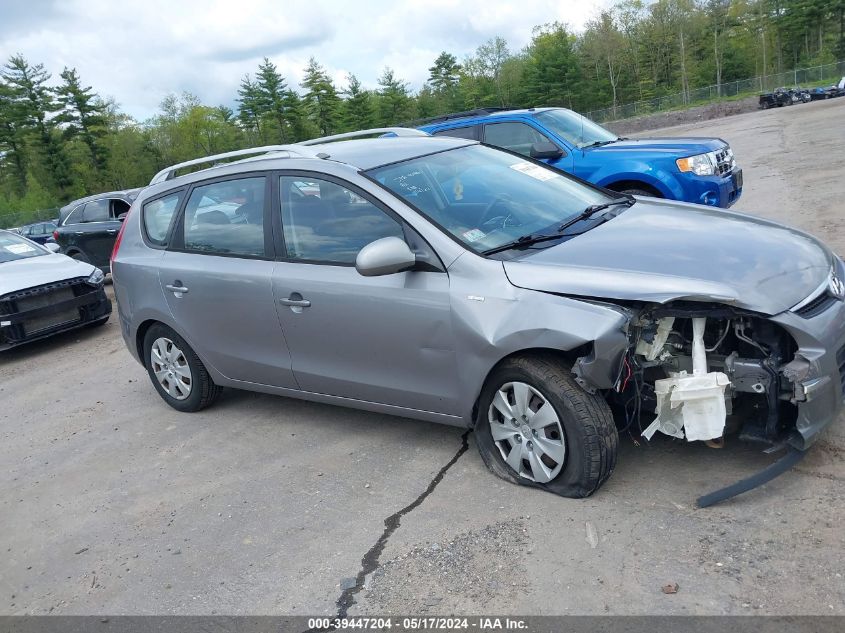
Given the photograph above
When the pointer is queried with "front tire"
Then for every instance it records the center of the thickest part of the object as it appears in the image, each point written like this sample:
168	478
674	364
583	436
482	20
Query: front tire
639	192
176	371
537	427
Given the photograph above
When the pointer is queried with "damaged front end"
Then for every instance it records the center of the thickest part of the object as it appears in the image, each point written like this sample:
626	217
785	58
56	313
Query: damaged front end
706	371
701	372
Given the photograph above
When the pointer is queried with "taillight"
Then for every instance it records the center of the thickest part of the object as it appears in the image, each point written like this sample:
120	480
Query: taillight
56	235
118	239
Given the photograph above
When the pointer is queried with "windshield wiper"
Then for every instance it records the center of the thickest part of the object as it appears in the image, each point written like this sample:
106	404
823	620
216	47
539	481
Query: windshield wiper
598	143
522	242
536	238
593	209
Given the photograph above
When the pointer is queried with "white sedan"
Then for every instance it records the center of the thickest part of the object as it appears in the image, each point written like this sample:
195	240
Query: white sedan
43	293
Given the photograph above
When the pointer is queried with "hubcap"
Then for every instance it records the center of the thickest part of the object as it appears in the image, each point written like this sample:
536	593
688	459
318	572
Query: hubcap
527	431
171	368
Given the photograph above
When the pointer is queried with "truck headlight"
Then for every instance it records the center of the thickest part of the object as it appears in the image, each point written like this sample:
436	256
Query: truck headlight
96	278
700	165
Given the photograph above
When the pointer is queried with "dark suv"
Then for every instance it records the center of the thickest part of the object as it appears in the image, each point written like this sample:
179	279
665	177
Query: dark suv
41	232
88	226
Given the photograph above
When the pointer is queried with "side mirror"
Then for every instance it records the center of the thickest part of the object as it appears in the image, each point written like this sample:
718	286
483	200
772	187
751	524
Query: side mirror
52	247
545	149
386	256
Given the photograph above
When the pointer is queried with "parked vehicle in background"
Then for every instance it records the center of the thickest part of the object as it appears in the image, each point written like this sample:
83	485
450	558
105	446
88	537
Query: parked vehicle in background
449	281
41	232
777	98
800	95
699	170
43	293
88	227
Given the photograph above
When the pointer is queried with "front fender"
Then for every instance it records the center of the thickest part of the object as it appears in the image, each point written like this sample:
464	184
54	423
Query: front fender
508	320
660	179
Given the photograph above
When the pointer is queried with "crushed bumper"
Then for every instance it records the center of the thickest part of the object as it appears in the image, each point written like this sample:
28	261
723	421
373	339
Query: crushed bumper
820	391
36	313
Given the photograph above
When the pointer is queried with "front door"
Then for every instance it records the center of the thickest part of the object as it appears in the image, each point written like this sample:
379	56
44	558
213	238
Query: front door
217	278
381	339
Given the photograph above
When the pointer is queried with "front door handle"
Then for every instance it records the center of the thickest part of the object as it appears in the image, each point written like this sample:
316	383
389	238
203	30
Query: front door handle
297	303
178	290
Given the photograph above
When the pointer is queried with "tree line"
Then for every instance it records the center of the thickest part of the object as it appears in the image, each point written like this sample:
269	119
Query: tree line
60	139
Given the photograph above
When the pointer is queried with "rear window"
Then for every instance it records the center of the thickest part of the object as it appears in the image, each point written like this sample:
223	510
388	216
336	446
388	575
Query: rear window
470	132
157	217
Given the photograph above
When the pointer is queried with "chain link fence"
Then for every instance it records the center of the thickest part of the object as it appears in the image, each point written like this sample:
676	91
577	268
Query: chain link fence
14	220
831	73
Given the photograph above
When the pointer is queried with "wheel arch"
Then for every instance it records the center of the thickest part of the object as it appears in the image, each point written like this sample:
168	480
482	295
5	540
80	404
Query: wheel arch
564	357
622	185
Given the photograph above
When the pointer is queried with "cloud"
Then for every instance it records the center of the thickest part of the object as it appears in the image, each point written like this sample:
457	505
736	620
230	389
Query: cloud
138	51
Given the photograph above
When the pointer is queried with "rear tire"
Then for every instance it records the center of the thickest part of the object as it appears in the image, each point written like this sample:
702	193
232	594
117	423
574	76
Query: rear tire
81	257
590	440
176	371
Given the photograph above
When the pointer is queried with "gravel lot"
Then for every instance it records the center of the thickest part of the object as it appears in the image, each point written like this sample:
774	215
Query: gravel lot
113	503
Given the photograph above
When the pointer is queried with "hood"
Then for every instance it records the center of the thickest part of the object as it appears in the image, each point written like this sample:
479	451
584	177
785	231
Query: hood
37	271
678	147
660	251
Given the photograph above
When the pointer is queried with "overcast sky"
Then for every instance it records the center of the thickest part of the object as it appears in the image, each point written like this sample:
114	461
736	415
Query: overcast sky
138	51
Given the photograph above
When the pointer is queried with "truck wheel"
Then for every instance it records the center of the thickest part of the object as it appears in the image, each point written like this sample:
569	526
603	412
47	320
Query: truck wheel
638	192
176	371
81	257
537	427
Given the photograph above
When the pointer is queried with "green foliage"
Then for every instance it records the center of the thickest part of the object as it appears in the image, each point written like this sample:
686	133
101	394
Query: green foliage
59	139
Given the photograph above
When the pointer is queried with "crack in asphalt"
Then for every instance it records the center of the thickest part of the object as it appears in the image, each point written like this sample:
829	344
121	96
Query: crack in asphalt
370	561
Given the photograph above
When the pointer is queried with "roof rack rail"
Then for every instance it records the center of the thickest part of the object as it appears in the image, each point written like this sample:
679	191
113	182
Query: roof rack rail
168	172
397	131
460	115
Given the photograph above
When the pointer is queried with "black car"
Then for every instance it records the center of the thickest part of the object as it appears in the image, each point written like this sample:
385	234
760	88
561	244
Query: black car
88	227
41	232
780	97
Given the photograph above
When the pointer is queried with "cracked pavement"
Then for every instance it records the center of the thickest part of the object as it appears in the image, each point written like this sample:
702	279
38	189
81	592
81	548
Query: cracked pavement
113	503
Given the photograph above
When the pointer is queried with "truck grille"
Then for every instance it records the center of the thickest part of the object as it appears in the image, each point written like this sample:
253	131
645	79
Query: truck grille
725	162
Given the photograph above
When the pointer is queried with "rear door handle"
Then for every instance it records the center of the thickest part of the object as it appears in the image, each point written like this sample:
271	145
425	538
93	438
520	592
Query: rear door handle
298	303
177	289
112	232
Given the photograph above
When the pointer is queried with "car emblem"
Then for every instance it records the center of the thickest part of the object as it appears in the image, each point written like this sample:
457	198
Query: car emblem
837	288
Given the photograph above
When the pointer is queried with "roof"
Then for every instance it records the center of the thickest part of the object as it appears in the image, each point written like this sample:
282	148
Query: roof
127	194
370	153
448	120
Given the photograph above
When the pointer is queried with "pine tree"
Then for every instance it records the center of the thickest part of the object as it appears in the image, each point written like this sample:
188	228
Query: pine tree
395	102
358	106
83	112
250	107
33	108
321	101
272	98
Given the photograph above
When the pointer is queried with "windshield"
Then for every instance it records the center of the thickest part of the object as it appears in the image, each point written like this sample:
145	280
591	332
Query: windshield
574	128
14	247
485	197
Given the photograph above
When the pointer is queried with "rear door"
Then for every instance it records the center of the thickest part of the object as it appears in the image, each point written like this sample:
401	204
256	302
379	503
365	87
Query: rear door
217	280
96	232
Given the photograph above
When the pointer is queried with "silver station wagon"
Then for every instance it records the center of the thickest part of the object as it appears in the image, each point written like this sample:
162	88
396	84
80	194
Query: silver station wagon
445	280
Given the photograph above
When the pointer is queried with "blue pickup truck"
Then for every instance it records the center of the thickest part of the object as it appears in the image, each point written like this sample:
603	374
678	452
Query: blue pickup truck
698	170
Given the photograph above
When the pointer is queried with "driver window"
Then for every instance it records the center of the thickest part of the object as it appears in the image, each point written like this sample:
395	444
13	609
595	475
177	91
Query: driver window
517	137
325	222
